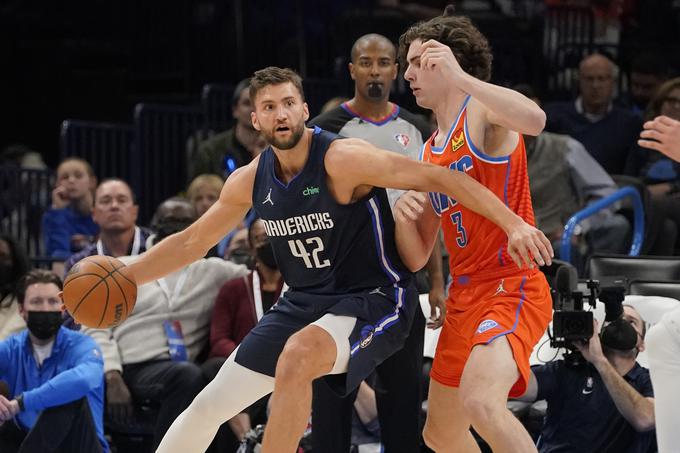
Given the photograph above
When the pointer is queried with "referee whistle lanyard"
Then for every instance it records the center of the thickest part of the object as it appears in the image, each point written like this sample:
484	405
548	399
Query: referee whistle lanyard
172	298
136	244
257	295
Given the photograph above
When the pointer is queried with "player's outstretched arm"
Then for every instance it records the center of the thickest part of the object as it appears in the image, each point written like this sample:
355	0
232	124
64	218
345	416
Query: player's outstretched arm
355	162
185	247
662	134
506	108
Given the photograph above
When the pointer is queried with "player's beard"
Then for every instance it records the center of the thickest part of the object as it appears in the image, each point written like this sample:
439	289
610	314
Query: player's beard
296	135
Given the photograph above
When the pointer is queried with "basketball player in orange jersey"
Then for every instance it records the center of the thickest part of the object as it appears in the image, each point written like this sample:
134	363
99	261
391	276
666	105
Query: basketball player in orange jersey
496	311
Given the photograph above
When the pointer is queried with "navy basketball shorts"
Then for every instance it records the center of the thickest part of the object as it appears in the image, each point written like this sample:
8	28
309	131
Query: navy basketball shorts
384	316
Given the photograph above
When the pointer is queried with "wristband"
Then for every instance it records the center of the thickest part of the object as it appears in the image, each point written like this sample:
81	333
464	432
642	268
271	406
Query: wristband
20	401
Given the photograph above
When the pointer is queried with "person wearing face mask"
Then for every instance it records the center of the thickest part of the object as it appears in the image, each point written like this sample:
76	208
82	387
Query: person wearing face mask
153	355
239	306
55	378
606	405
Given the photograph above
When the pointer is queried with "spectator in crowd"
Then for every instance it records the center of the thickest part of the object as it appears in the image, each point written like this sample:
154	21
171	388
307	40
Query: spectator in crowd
605	405
371	116
605	130
115	212
68	226
225	152
239	306
648	71
151	357
203	192
13	265
238	249
55	377
564	178
660	173
22	156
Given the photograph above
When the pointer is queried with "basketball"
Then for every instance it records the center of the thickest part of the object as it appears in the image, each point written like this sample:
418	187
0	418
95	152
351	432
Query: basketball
99	292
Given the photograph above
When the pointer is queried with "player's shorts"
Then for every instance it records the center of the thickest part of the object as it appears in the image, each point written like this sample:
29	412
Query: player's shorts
384	316
481	309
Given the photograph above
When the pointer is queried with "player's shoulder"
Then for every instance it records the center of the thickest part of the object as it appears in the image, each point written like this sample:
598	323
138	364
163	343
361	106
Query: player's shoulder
333	120
417	120
345	154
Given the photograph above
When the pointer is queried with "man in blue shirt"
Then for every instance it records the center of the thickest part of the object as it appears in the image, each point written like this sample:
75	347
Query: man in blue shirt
606	405
55	377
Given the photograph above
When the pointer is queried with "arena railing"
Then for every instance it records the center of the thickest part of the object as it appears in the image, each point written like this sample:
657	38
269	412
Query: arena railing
160	147
25	194
106	146
599	205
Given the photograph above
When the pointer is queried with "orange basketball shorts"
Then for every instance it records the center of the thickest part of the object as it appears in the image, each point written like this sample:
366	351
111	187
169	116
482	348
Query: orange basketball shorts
480	310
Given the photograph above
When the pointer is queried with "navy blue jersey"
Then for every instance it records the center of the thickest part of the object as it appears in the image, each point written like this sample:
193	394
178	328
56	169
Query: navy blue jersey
322	246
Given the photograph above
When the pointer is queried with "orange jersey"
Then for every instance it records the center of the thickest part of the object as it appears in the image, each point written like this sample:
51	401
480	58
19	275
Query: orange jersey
475	244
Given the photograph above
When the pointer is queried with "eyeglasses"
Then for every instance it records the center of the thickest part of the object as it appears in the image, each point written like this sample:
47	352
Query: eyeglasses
672	101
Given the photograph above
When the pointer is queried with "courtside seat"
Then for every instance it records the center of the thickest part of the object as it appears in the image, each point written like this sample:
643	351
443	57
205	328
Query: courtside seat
649	288
651	268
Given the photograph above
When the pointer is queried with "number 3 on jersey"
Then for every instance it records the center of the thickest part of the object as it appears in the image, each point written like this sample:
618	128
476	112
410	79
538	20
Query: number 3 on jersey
461	238
297	248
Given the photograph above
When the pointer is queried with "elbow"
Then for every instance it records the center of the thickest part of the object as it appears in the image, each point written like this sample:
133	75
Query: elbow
644	422
537	122
414	263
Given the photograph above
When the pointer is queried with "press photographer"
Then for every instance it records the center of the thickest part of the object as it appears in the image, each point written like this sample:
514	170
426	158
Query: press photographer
606	403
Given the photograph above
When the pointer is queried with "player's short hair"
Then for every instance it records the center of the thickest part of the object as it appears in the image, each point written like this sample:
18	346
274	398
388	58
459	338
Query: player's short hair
274	76
467	43
36	276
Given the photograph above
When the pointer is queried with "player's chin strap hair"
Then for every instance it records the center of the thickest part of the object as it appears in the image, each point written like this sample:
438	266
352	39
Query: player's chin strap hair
233	389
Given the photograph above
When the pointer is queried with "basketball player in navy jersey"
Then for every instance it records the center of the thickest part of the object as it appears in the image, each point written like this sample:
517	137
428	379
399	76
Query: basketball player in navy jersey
351	302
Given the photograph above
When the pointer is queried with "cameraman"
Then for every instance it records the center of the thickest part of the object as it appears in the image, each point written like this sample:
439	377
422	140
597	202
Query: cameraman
606	405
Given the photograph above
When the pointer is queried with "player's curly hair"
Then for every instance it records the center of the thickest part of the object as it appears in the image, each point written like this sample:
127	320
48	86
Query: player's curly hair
467	43
273	75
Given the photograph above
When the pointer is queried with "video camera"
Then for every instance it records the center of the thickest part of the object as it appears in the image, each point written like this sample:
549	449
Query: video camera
572	323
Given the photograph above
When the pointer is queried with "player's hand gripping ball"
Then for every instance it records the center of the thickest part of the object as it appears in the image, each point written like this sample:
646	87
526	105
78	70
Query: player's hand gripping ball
99	291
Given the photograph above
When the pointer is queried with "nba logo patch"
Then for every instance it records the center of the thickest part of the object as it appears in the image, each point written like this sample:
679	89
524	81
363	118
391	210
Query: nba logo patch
402	139
485	325
457	140
366	336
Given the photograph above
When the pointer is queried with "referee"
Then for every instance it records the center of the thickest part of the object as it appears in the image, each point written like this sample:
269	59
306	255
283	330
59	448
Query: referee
369	115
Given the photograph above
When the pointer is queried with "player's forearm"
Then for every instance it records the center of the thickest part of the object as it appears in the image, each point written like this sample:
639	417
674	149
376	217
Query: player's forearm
476	197
638	410
169	255
513	110
412	247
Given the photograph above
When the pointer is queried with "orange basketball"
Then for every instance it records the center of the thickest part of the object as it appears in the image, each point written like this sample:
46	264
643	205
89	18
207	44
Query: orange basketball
99	291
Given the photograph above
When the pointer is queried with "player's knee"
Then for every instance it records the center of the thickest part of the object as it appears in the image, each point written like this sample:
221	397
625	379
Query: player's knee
480	406
298	360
